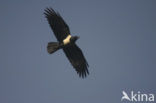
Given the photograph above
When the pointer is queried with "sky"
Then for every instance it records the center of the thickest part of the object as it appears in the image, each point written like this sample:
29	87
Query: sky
117	37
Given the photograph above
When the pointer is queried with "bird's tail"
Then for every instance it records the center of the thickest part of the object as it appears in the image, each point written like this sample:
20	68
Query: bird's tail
52	47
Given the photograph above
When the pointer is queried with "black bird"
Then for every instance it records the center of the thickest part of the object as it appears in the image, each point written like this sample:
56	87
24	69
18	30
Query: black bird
66	42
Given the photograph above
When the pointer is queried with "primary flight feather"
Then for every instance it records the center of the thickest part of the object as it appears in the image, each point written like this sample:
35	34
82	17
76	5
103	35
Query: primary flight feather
66	42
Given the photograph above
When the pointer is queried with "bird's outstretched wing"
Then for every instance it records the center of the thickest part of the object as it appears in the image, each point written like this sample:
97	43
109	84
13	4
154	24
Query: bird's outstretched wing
77	59
58	25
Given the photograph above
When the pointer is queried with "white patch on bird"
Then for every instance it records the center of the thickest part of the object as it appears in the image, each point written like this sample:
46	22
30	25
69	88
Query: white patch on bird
67	40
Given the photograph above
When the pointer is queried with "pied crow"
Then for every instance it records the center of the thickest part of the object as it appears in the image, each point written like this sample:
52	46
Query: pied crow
66	41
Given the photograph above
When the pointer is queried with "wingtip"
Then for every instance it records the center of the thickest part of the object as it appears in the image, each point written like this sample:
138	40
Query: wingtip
83	73
49	10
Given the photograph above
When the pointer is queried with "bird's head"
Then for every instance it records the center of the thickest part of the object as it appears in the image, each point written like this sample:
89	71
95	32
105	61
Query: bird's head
74	38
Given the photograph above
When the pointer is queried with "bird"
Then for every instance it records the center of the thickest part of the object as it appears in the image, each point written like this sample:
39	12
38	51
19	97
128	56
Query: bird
66	42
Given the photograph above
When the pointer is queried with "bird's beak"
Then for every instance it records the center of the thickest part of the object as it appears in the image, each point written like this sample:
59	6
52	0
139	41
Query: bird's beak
78	37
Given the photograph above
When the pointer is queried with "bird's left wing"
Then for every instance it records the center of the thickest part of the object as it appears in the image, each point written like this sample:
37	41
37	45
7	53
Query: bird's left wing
77	59
57	24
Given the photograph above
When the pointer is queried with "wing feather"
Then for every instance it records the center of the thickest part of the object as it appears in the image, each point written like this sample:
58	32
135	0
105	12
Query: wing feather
77	59
57	24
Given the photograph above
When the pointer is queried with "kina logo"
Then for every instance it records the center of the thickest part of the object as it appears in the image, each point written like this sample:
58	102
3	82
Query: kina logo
138	96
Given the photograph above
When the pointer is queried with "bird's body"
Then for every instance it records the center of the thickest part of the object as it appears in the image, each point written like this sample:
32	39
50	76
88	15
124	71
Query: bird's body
66	41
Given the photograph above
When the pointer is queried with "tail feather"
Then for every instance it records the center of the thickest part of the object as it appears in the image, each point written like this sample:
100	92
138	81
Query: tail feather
52	47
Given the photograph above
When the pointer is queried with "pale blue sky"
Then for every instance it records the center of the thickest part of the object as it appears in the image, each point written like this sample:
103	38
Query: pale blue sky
117	37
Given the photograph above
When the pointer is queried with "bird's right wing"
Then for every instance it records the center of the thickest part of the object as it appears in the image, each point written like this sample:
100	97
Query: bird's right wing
77	59
57	24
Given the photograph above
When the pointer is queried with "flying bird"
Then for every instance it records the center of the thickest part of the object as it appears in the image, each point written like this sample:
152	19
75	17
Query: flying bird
66	41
